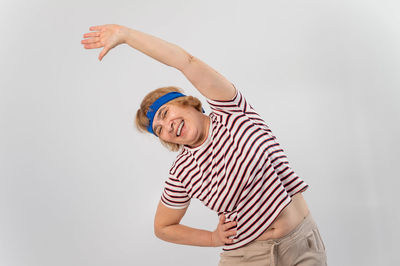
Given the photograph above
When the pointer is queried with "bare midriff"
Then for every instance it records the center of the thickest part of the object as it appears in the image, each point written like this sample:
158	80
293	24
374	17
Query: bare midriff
291	216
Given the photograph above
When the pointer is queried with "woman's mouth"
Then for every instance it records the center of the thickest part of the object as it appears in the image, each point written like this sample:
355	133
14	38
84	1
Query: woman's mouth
179	131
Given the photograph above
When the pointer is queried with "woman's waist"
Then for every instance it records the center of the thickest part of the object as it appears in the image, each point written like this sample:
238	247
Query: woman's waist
291	216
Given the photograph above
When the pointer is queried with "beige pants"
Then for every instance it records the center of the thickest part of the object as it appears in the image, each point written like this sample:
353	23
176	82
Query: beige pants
301	247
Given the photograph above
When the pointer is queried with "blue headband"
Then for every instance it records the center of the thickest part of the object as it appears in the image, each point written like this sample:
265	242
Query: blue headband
157	104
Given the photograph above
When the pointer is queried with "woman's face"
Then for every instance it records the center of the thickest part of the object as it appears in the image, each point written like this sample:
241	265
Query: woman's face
180	124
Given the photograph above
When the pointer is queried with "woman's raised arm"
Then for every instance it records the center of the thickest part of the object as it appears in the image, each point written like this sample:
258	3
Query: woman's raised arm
208	81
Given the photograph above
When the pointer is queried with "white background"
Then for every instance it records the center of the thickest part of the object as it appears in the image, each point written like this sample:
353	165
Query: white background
79	185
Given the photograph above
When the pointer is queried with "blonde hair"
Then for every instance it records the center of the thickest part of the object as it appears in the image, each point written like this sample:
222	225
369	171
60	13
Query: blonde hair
141	120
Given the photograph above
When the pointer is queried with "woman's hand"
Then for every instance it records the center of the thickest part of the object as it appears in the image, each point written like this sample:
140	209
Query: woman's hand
107	36
220	236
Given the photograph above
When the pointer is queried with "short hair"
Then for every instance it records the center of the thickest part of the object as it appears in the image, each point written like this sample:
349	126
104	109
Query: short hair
142	121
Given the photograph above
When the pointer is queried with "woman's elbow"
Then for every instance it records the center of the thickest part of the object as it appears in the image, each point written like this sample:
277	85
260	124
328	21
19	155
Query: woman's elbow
158	232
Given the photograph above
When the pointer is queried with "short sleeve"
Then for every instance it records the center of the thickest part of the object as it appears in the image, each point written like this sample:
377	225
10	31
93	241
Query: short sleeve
237	106
174	194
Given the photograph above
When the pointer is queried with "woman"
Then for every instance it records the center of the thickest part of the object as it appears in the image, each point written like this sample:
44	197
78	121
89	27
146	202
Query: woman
229	160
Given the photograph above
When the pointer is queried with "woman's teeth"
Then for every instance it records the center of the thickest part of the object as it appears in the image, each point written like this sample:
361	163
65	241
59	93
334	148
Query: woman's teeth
178	133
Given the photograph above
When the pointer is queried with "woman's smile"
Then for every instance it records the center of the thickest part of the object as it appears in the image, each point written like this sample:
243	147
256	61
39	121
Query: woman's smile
180	129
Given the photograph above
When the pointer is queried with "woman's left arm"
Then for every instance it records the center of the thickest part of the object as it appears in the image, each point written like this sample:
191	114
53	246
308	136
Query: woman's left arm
208	81
167	227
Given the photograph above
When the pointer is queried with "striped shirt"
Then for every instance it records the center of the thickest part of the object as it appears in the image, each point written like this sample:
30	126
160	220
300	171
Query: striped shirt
240	170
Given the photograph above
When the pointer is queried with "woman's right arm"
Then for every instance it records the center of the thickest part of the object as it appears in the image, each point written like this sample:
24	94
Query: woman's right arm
204	78
168	228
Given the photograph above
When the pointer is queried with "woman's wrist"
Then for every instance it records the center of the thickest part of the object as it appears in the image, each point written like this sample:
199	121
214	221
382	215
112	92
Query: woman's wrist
212	239
124	33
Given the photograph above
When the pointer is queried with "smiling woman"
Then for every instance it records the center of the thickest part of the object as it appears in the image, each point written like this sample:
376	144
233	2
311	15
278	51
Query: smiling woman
184	104
229	160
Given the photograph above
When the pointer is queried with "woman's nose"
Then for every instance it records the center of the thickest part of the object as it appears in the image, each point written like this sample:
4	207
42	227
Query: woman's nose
168	125
171	126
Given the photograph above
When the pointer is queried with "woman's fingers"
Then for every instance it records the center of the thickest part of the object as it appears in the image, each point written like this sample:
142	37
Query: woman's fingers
225	229
91	40
221	219
97	28
230	233
93	45
229	225
103	53
227	239
107	36
91	34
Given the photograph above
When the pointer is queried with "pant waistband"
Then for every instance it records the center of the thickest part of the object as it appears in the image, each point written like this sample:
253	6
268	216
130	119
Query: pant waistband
306	225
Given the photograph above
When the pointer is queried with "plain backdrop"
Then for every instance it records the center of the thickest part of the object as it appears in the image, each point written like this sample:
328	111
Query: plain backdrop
79	185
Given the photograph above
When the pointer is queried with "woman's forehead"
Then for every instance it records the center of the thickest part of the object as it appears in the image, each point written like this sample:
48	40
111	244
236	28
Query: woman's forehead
170	105
158	114
164	107
160	110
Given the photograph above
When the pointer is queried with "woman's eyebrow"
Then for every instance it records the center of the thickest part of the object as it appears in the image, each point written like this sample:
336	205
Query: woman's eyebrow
158	117
160	112
156	129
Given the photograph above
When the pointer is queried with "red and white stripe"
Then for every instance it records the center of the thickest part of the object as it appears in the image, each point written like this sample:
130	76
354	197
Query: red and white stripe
240	171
